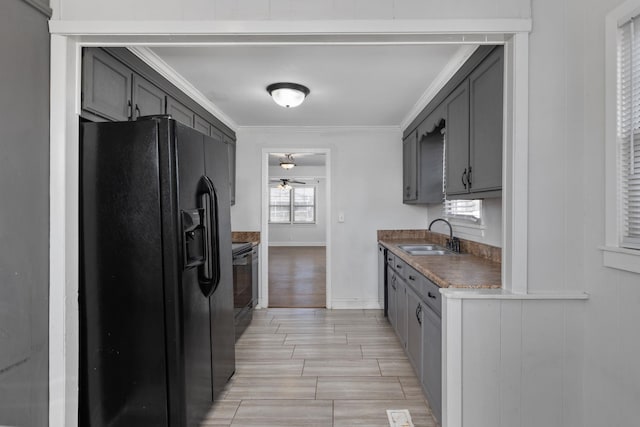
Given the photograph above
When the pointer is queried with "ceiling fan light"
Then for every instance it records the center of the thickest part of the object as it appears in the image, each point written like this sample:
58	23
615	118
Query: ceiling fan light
287	165
288	95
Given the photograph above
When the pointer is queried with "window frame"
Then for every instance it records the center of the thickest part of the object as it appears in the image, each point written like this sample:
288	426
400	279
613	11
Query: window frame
293	205
615	255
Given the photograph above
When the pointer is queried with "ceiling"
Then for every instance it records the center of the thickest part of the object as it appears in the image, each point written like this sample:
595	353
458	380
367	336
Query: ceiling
351	85
300	159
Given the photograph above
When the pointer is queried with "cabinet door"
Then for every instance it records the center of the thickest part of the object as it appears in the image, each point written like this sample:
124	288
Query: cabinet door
457	139
485	94
401	311
410	168
432	360
180	112
414	331
201	125
148	99
231	157
392	291
106	86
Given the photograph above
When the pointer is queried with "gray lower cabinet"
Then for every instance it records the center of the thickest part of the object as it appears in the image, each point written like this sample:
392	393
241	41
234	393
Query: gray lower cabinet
414	308
432	360
401	311
106	86
414	331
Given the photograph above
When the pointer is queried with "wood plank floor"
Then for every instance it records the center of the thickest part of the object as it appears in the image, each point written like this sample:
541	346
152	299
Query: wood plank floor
318	367
297	276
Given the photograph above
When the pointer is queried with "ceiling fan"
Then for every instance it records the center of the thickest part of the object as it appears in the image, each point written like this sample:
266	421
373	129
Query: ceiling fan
285	183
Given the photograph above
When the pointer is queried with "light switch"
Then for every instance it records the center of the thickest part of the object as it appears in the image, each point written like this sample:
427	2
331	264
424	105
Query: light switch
341	217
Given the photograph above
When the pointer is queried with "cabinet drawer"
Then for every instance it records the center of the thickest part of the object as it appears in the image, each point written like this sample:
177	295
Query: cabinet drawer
428	291
432	296
391	260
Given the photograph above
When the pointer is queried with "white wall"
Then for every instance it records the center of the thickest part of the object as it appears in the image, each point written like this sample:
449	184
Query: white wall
285	9
366	185
566	191
302	234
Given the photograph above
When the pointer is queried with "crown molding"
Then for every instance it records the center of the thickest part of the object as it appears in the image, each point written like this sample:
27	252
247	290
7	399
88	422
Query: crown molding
166	71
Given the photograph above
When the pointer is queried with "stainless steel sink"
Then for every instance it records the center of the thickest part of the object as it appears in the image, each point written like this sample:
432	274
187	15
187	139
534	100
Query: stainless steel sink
425	250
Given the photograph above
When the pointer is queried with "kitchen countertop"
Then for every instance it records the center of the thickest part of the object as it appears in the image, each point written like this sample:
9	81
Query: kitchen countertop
252	237
447	271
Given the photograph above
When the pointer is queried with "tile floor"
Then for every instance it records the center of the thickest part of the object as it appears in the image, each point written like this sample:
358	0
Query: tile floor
317	367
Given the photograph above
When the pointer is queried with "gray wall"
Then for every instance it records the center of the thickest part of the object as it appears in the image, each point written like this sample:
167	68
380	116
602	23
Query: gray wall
24	212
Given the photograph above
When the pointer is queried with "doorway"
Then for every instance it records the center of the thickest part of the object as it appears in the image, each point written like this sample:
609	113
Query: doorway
296	233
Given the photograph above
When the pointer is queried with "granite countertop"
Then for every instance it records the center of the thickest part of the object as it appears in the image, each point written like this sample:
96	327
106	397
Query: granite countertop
252	237
476	269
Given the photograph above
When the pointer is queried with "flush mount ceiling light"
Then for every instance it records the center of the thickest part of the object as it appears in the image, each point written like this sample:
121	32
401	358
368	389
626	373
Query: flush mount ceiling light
287	162
288	94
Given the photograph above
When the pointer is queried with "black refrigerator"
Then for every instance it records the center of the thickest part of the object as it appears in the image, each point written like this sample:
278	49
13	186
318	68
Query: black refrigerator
156	290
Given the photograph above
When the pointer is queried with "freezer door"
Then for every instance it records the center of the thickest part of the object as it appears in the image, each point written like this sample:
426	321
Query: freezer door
123	370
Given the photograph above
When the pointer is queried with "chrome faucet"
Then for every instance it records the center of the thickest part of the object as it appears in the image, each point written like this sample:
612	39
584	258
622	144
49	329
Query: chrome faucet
453	243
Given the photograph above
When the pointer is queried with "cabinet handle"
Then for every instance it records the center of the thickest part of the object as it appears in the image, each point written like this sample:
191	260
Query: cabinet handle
418	311
137	111
431	295
398	266
464	176
469	178
412	278
129	110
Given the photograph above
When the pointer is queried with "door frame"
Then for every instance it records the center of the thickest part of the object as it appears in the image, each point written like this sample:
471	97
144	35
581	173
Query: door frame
264	234
67	40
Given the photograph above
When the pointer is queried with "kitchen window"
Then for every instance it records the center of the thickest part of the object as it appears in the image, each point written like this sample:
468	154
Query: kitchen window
622	150
466	210
294	206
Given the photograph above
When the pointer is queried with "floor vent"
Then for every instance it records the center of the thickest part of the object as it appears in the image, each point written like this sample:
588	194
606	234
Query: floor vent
399	418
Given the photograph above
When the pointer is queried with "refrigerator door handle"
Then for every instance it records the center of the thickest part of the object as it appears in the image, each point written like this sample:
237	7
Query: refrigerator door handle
209	271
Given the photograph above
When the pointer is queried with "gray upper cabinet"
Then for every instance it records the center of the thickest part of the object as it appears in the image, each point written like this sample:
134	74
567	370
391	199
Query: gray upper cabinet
410	168
106	86
485	124
470	108
148	99
231	156
118	86
474	132
422	152
180	112
457	139
203	126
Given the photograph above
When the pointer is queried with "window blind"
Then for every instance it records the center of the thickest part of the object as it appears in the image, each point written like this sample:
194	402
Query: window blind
629	133
463	209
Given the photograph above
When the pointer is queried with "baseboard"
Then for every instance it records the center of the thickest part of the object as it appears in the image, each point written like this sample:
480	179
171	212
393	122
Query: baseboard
355	303
297	244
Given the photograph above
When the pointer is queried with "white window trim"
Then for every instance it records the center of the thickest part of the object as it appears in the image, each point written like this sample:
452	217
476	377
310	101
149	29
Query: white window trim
292	206
615	256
